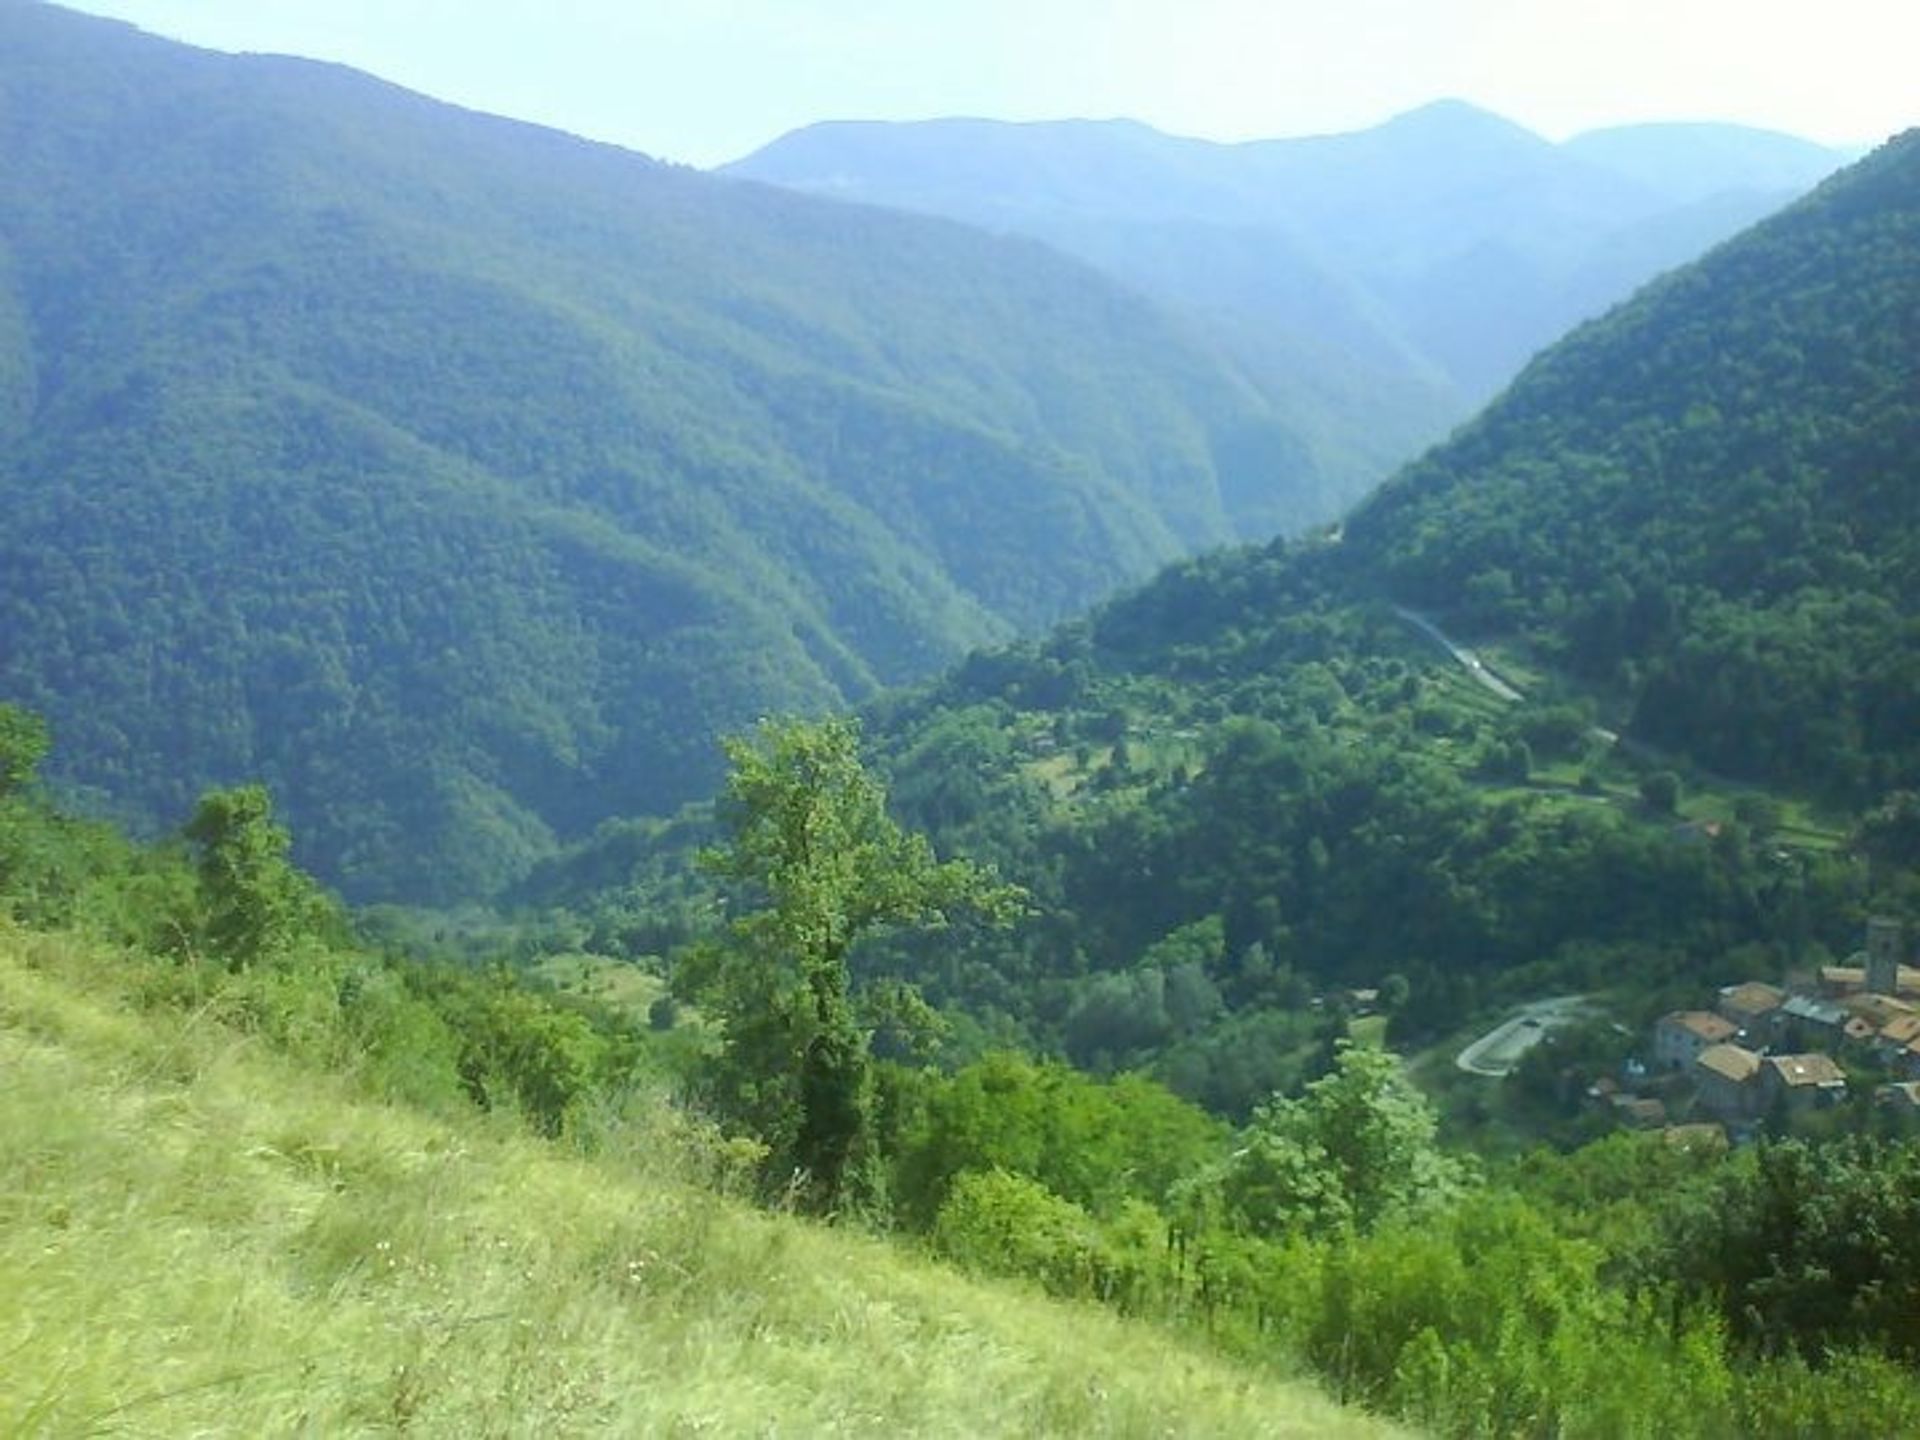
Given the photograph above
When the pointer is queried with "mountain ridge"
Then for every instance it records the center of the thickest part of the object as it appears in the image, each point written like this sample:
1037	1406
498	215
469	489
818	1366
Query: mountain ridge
468	477
1378	283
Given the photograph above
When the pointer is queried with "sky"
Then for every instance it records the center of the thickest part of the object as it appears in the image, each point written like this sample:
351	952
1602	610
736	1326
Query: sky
705	81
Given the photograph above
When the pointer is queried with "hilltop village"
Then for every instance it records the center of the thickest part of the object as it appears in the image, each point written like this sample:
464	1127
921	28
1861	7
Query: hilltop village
1766	1055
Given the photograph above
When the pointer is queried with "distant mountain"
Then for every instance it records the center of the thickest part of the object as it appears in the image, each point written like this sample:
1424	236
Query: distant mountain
461	479
1690	163
1378	284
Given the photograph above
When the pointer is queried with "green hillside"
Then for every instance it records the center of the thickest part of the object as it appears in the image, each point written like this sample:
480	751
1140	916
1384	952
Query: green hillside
461	479
1378	284
254	1178
1707	502
1258	780
200	1237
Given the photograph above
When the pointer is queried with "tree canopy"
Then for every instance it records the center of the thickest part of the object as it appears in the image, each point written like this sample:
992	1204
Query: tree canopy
817	864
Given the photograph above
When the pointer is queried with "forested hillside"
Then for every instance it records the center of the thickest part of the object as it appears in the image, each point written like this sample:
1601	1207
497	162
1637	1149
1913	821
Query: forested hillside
259	1181
461	480
1380	284
1708	503
1258	779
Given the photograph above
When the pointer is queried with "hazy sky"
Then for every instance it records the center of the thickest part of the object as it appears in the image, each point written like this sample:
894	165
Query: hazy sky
703	81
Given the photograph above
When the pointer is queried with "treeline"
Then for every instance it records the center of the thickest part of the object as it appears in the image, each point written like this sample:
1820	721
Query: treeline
220	918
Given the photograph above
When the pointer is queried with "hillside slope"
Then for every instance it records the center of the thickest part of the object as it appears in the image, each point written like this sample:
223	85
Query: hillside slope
1378	284
199	1237
1710	500
462	479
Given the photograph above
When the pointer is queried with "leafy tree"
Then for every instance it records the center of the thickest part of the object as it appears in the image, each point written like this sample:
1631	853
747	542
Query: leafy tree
822	864
1889	833
23	745
1661	791
1096	1143
1357	1147
1811	1248
255	903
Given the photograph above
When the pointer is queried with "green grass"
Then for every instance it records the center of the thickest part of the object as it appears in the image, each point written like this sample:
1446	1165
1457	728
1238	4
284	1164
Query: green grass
198	1237
618	984
1368	1030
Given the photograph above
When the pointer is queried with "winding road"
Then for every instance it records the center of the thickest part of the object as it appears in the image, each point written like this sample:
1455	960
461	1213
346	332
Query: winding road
1475	666
1496	1053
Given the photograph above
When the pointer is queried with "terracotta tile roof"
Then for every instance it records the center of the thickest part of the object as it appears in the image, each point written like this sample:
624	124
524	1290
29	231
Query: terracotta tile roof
1801	1070
1901	1030
1730	1062
1703	1023
1854	977
1752	998
1877	1008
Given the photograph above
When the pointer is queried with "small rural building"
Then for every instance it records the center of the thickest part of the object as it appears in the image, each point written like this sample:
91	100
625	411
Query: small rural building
1809	1024
1879	1010
1680	1037
1638	1112
1880	968
1907	1063
1837	981
1802	1082
1751	1006
1896	1035
1725	1077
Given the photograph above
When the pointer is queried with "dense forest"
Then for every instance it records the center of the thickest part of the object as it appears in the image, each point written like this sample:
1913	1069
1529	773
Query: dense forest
1257	779
1378	284
407	505
1704	502
461	480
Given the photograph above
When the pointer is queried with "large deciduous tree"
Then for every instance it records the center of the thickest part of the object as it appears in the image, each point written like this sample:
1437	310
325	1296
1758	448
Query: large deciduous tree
256	903
819	864
1356	1148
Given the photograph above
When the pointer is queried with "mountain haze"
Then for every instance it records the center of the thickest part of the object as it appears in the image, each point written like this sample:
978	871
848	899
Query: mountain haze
462	479
1378	284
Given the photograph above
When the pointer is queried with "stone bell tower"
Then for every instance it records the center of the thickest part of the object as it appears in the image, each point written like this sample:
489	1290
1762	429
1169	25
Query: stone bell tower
1886	947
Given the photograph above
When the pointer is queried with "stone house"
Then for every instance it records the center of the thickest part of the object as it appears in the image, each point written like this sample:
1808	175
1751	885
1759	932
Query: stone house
1725	1075
1751	1006
1895	1036
1679	1038
1810	1024
1801	1082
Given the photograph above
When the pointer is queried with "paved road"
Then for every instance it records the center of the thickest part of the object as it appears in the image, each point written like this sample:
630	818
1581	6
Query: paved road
1476	667
1496	1053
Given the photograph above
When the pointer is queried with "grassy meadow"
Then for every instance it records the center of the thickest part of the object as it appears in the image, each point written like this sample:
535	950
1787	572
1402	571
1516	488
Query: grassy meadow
200	1237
